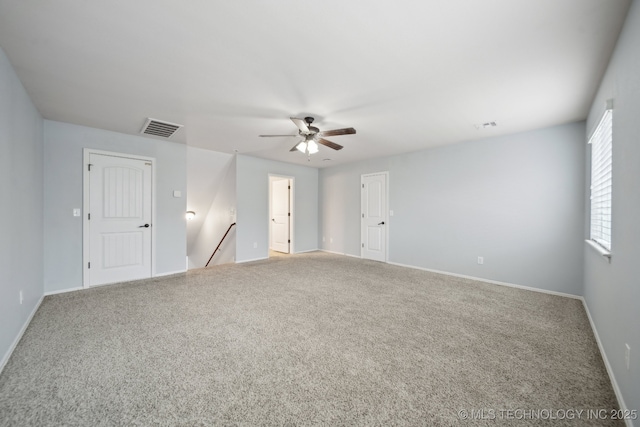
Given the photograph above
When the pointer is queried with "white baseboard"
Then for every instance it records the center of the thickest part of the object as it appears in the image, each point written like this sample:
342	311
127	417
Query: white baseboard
339	253
169	273
612	378
15	342
63	291
304	252
251	260
493	282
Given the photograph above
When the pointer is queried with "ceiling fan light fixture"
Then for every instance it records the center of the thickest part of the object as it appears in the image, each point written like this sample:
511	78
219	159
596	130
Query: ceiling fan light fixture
302	147
312	147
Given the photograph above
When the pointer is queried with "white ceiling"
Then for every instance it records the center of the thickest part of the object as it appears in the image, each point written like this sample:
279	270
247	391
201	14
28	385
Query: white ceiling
406	74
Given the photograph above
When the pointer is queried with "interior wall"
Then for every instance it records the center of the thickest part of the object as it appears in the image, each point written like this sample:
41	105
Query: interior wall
612	290
63	169
21	218
220	215
253	206
515	200
206	170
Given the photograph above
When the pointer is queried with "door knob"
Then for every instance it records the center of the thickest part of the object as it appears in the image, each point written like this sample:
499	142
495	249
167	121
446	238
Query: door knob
144	226
381	223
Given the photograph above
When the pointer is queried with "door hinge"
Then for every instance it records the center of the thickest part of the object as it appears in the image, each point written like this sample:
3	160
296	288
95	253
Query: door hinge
88	265
363	245
289	214
89	216
288	241
362	215
289	187
89	167
362	185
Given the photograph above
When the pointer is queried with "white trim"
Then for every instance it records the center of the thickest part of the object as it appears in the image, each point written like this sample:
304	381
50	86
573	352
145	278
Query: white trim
15	342
601	250
607	365
251	260
85	207
169	273
292	198
493	282
340	253
63	291
309	250
386	215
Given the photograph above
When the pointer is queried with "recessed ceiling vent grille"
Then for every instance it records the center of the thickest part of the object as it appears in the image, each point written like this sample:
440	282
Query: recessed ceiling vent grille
159	128
486	125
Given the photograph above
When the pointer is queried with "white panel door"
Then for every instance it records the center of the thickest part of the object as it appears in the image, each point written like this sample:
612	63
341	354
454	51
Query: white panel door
374	217
280	215
119	219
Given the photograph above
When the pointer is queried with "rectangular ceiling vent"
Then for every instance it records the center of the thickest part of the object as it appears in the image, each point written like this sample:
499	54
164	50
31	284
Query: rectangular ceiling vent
486	125
159	128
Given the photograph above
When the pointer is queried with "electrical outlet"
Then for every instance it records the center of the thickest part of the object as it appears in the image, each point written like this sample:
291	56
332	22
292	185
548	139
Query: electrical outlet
22	299
480	260
627	355
255	245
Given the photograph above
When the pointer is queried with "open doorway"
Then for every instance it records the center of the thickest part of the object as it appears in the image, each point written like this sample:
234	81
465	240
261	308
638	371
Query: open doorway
280	215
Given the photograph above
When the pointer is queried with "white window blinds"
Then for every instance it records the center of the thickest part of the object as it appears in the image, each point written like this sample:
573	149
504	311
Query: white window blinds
601	148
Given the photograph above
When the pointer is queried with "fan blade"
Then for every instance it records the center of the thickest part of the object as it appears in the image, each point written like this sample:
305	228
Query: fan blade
295	147
337	132
330	144
274	136
301	124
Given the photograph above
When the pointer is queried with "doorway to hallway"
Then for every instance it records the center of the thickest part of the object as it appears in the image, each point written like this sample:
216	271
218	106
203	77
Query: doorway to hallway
280	215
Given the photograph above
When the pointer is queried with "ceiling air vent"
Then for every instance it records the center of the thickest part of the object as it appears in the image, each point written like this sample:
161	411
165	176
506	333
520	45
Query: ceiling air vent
159	128
486	125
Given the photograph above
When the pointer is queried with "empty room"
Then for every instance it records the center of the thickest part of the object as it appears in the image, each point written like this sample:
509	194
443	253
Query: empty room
331	213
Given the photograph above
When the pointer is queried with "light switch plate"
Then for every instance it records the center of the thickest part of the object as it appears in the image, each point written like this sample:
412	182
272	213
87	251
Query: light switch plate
76	212
177	193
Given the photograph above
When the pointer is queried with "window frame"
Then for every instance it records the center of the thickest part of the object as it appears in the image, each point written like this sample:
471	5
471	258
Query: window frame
601	183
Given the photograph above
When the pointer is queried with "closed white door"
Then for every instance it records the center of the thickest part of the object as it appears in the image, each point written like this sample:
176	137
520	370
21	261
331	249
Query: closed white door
119	219
280	215
374	216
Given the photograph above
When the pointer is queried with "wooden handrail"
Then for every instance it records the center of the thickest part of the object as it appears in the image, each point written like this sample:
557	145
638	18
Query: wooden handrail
218	247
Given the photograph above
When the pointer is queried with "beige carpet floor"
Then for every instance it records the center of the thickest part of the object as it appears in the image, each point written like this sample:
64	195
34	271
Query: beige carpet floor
309	339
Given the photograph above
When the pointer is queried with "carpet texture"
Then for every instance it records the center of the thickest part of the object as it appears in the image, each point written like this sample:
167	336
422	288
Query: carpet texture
305	339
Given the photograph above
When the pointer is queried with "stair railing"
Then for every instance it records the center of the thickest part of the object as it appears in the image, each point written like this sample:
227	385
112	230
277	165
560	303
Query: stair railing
218	247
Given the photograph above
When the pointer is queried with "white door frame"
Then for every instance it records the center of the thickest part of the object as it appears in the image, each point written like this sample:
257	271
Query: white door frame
386	213
85	208
291	207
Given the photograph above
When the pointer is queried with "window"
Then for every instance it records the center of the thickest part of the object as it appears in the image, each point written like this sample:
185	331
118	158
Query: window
601	149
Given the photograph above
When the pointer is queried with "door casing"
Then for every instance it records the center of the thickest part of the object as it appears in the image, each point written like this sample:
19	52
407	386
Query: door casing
272	177
385	216
85	209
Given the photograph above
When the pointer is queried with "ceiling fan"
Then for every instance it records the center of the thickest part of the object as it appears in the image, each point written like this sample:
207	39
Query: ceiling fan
313	136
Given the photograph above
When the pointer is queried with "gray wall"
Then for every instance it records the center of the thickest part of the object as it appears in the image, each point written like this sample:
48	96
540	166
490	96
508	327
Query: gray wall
516	200
612	290
206	170
63	169
21	184
217	219
252	189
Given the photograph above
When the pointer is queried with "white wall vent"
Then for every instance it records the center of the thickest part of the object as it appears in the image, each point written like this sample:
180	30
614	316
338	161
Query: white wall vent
159	128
